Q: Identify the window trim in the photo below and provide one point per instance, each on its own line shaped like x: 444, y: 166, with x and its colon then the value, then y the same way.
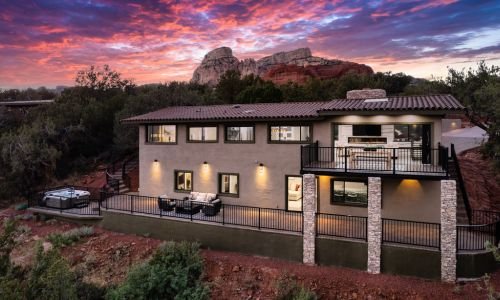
x: 347, y: 179
x: 408, y: 125
x: 160, y: 143
x: 270, y: 141
x: 239, y: 142
x: 219, y: 177
x: 175, y: 181
x: 202, y: 141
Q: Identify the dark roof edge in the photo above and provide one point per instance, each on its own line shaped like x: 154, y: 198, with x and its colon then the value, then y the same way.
x: 219, y: 120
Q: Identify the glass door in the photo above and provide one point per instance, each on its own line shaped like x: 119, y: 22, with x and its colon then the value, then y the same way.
x: 294, y: 193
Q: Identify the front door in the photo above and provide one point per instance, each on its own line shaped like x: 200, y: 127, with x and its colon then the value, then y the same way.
x: 294, y: 193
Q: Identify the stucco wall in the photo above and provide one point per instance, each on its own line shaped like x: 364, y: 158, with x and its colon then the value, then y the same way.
x: 408, y: 199
x: 268, y: 188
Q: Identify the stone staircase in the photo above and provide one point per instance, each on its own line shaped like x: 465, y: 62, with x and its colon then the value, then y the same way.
x: 461, y: 210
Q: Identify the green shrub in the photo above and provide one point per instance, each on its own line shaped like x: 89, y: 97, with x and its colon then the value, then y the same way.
x: 69, y: 237
x: 288, y: 289
x: 174, y: 272
x: 51, y: 277
x: 7, y: 243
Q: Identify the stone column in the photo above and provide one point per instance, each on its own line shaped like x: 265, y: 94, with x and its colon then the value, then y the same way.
x: 309, y: 210
x: 374, y: 224
x: 448, y: 230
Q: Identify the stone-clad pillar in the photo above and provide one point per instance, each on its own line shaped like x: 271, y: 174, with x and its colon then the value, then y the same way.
x: 374, y: 224
x: 309, y: 210
x: 448, y: 230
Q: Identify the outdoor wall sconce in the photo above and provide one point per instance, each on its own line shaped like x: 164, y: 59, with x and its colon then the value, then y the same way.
x: 155, y: 160
x: 205, y: 165
x: 261, y: 168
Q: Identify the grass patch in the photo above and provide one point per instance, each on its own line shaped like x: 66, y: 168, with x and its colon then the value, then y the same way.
x: 70, y: 237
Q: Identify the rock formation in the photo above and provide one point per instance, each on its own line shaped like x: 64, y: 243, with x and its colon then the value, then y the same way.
x: 297, y: 66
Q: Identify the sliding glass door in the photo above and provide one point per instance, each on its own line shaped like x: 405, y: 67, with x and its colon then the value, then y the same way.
x: 294, y: 193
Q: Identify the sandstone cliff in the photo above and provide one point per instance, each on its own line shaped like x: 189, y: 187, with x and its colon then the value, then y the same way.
x: 297, y: 66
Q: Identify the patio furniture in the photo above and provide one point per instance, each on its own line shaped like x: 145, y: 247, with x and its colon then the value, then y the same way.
x: 212, y: 208
x: 195, y: 202
x: 371, y: 155
x: 165, y: 203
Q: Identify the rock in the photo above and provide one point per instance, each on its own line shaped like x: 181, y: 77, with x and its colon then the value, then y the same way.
x: 297, y: 66
x: 236, y: 268
x: 47, y: 246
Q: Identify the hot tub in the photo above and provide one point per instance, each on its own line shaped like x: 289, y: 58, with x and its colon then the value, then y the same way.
x: 66, y: 198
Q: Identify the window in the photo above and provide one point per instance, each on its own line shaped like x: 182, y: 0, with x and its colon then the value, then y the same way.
x: 366, y: 130
x: 183, y: 181
x: 161, y: 134
x: 240, y: 134
x: 229, y: 184
x: 349, y: 192
x: 408, y: 132
x: 202, y: 134
x: 290, y: 134
x: 294, y: 193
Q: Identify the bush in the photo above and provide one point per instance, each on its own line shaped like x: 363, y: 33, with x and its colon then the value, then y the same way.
x: 174, y: 272
x: 69, y: 237
x: 288, y: 289
x: 51, y: 277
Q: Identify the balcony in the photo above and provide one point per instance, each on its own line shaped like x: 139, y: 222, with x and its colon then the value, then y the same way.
x: 398, y: 162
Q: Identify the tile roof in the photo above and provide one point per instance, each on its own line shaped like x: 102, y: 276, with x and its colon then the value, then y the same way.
x: 288, y: 110
x: 297, y: 110
x: 397, y: 103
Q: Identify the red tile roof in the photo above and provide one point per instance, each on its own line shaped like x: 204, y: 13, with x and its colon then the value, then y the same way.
x: 296, y: 110
x: 398, y: 103
x: 288, y: 110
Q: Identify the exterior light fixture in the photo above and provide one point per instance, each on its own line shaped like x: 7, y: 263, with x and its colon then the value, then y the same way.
x: 155, y: 160
x: 261, y: 168
x: 205, y: 165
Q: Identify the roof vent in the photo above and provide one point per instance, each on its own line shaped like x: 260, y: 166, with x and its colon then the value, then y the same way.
x: 249, y: 111
x: 236, y: 106
x: 198, y: 110
x: 366, y: 94
x: 376, y: 100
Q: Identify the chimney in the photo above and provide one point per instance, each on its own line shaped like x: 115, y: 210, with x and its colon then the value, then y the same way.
x: 366, y: 94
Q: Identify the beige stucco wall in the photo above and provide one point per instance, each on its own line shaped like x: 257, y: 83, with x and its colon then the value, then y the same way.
x: 406, y: 199
x: 267, y: 189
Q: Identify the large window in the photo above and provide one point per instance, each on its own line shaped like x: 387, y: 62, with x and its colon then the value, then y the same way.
x: 161, y: 134
x: 294, y: 193
x: 349, y: 192
x: 183, y: 181
x: 366, y: 130
x: 290, y: 134
x: 240, y: 134
x: 202, y: 134
x: 408, y: 132
x: 229, y: 184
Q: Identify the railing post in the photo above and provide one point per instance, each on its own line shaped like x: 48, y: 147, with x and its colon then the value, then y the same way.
x: 191, y: 210
x: 345, y: 159
x: 131, y: 204
x: 259, y: 218
x: 99, y: 202
x: 223, y: 210
x: 393, y: 160
x: 301, y: 157
x: 160, y: 205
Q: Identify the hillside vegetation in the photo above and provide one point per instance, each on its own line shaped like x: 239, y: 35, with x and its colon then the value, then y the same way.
x: 82, y: 127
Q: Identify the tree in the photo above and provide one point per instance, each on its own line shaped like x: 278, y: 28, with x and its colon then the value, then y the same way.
x: 102, y: 79
x: 229, y: 86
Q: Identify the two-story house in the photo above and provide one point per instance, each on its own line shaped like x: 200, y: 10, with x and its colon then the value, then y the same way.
x: 254, y: 154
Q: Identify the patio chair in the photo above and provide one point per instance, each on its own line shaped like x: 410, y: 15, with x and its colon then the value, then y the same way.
x: 212, y: 208
x: 166, y: 204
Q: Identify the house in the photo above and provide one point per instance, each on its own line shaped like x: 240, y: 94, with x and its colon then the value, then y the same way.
x: 255, y: 154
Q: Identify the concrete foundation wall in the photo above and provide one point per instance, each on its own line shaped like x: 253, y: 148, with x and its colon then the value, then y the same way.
x: 404, y: 260
x: 247, y: 241
x: 343, y: 253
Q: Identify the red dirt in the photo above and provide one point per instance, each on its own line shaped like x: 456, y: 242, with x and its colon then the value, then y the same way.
x: 106, y: 257
x: 482, y: 181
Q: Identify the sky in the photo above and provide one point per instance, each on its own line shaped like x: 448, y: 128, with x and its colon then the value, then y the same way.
x: 45, y: 43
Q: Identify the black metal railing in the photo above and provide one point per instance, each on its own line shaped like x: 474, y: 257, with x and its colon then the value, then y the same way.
x: 411, y: 233
x: 404, y: 160
x: 225, y: 214
x: 461, y: 184
x: 484, y: 227
x: 352, y: 227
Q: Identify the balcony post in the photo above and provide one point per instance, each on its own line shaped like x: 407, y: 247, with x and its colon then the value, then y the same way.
x: 345, y: 159
x: 393, y: 160
x: 448, y: 230
x: 309, y: 216
x: 374, y: 224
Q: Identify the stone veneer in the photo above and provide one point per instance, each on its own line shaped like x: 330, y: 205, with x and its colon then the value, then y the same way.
x: 366, y: 94
x: 448, y: 230
x: 309, y: 210
x: 374, y: 224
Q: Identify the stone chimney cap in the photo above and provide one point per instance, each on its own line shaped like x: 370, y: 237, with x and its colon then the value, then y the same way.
x: 366, y: 94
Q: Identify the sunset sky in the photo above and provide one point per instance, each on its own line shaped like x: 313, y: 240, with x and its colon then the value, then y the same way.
x: 44, y: 43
